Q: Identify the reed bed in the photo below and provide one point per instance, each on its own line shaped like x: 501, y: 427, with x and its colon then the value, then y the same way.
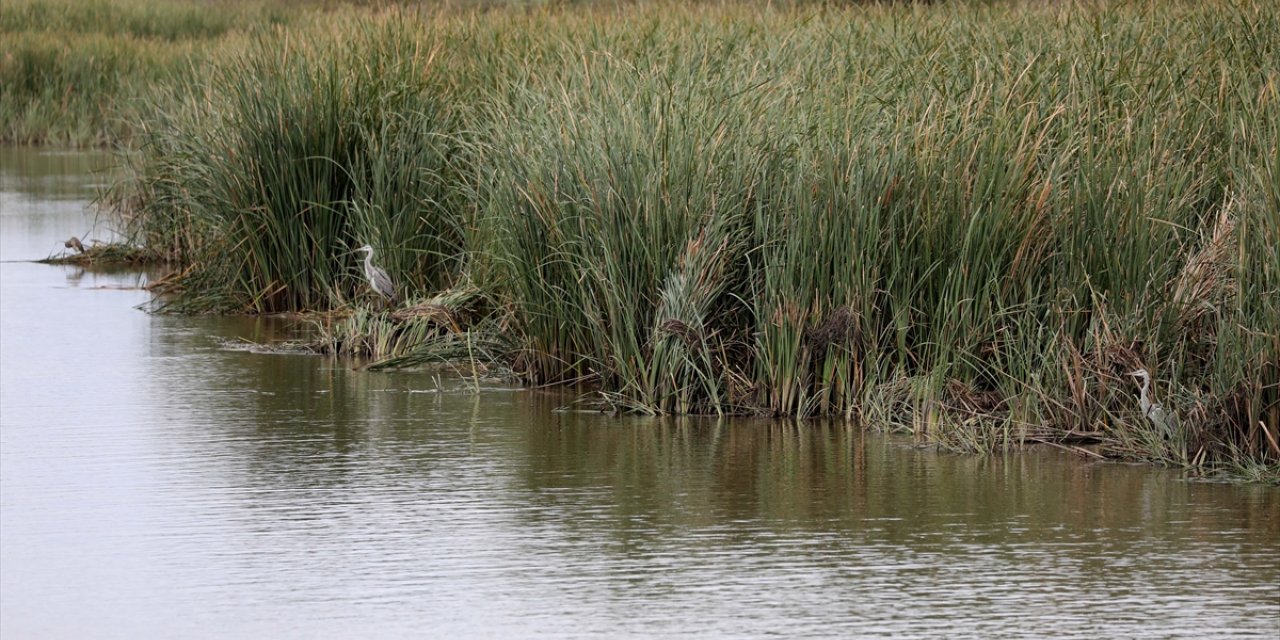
x: 969, y: 222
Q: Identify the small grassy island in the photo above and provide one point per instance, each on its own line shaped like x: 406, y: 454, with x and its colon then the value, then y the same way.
x: 971, y: 222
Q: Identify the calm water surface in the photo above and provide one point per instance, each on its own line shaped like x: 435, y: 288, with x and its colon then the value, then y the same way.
x: 156, y: 483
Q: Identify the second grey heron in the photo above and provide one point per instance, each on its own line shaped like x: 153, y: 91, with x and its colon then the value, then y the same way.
x: 378, y: 279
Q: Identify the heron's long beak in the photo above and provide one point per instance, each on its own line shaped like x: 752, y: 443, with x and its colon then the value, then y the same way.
x: 1136, y: 374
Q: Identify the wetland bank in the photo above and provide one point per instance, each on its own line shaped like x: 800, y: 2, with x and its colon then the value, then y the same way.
x: 963, y: 222
x: 159, y: 483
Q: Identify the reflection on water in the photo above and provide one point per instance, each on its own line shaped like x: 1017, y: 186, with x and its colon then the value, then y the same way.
x: 156, y: 483
x: 44, y: 197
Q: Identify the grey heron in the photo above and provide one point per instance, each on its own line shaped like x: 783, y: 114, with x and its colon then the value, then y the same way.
x: 1162, y: 419
x: 378, y: 279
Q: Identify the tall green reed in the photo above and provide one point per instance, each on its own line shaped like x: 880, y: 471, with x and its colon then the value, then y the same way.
x: 298, y: 152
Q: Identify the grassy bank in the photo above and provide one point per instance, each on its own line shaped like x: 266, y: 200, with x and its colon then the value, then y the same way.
x: 969, y: 222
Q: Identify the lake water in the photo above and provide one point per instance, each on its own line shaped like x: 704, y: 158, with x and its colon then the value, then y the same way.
x: 158, y: 483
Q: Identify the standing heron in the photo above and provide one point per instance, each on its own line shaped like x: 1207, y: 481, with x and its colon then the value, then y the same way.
x: 1163, y: 420
x: 378, y: 279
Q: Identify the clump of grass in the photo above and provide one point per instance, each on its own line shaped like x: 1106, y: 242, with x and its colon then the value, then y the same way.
x: 448, y: 327
x: 617, y: 233
x: 968, y: 222
x: 296, y: 154
x: 1250, y: 471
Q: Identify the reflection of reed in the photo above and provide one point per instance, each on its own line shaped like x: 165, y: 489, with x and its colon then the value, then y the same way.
x: 55, y: 175
x: 289, y: 420
x: 829, y: 475
x: 306, y: 422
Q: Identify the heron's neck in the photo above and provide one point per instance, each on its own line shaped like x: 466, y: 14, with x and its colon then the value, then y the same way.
x: 368, y: 259
x: 1146, y: 382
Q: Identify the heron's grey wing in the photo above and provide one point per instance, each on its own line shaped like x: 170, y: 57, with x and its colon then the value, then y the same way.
x: 382, y: 283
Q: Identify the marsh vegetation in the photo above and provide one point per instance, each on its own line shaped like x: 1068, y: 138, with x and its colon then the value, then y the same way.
x: 966, y: 222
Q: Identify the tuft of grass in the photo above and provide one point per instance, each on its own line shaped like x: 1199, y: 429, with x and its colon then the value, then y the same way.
x: 446, y: 328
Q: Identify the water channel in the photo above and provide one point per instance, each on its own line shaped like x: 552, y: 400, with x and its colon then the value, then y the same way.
x: 157, y: 481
